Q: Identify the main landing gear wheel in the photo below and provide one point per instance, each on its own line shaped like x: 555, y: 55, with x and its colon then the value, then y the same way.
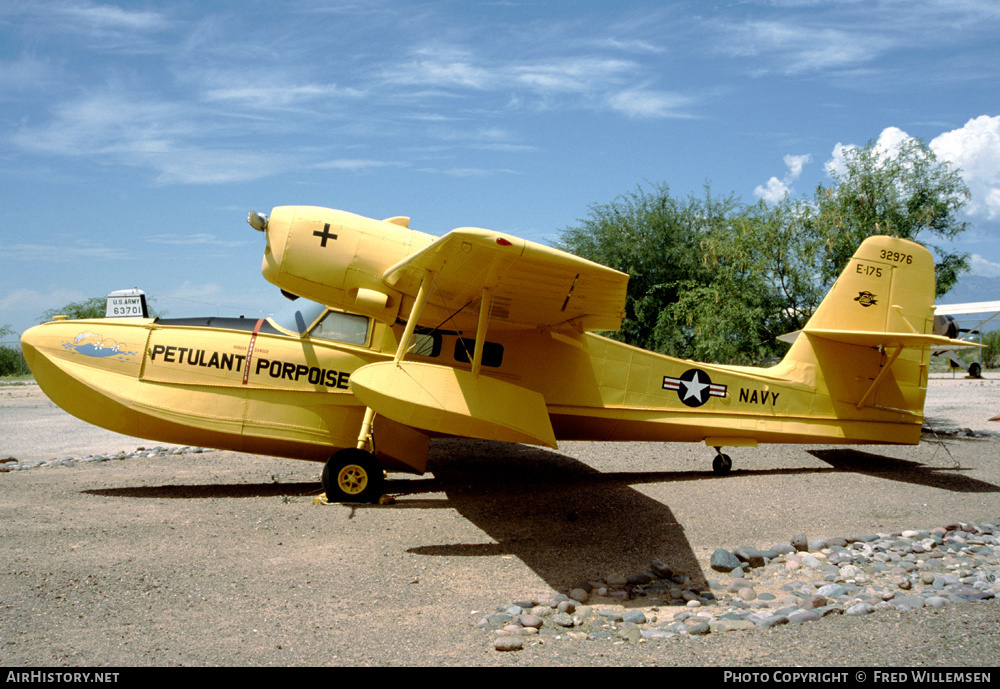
x: 975, y: 370
x: 352, y: 476
x: 722, y: 464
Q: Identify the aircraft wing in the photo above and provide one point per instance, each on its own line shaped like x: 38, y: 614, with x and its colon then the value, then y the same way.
x: 971, y: 307
x: 531, y: 285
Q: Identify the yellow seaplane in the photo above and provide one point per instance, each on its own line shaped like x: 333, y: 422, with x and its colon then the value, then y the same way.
x: 400, y: 337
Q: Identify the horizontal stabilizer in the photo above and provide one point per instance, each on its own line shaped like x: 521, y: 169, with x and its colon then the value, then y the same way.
x: 866, y: 338
x: 451, y: 401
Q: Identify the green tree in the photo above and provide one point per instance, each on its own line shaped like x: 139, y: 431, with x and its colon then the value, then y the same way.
x: 95, y: 307
x: 715, y: 279
x: 760, y: 266
x: 654, y: 238
x: 903, y: 192
x: 10, y: 357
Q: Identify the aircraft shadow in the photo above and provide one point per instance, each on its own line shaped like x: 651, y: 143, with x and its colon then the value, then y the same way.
x: 565, y: 520
x: 905, y: 470
x: 213, y: 490
x: 560, y: 517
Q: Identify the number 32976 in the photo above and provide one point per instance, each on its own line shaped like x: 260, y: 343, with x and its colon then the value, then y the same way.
x: 896, y: 256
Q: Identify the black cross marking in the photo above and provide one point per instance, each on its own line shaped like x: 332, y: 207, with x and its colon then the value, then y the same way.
x: 325, y: 234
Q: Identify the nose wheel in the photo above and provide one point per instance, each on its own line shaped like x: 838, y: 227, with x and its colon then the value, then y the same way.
x: 352, y: 475
x: 722, y: 464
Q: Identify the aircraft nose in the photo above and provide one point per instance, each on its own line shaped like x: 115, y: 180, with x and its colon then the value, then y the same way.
x: 29, y: 345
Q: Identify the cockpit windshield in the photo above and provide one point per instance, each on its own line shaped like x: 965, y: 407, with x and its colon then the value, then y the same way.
x: 301, y: 315
x: 298, y: 315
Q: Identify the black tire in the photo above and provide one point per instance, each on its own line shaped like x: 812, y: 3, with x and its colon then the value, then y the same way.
x: 975, y: 370
x: 352, y: 475
x: 722, y: 465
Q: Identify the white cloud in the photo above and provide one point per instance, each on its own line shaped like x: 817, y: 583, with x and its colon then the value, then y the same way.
x: 645, y: 103
x: 593, y: 81
x: 442, y: 67
x: 772, y: 192
x: 981, y: 266
x: 35, y: 302
x: 111, y: 18
x: 888, y: 143
x: 776, y: 189
x: 266, y: 95
x: 975, y: 149
x: 162, y: 135
x: 196, y: 239
x: 354, y: 164
x: 796, y: 163
x: 800, y: 48
x: 49, y: 253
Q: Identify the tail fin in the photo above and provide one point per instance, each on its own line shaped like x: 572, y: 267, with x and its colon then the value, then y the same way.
x: 887, y: 287
x: 868, y: 344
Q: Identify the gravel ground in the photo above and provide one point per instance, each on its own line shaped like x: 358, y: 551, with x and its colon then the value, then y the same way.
x: 223, y: 559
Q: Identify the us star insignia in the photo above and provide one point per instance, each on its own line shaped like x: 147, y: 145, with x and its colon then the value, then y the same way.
x: 694, y: 387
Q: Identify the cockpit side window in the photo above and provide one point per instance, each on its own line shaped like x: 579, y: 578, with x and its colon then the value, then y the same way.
x: 349, y: 328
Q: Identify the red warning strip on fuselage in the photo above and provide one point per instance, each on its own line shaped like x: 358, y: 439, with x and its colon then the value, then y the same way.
x: 253, y: 340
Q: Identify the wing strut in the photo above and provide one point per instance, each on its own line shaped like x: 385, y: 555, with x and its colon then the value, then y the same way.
x: 485, y: 307
x: 364, y: 438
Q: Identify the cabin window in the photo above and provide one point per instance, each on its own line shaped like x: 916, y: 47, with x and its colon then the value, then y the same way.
x: 349, y: 328
x: 425, y: 344
x: 492, y: 352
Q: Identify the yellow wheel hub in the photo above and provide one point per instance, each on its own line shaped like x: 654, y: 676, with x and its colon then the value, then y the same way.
x: 352, y: 479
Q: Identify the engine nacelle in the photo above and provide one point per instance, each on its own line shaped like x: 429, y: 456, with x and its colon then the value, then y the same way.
x: 947, y: 326
x: 337, y: 258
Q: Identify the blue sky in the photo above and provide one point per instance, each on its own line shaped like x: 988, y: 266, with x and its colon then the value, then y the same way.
x: 136, y: 136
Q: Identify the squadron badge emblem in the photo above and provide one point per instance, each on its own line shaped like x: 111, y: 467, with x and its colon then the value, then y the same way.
x: 866, y: 299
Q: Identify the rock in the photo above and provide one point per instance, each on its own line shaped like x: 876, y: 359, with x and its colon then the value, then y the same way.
x: 508, y: 643
x: 800, y: 542
x: 634, y: 616
x: 731, y: 626
x: 567, y: 606
x: 908, y: 602
x: 562, y: 619
x: 857, y: 576
x: 850, y: 571
x: 724, y: 561
x: 629, y: 632
x: 749, y: 555
x: 860, y: 609
x: 736, y: 584
x: 661, y: 569
x: 832, y: 591
x: 528, y: 620
x: 699, y: 629
x: 936, y: 602
x: 803, y: 616
x: 773, y: 621
x: 638, y: 579
x: 811, y: 561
